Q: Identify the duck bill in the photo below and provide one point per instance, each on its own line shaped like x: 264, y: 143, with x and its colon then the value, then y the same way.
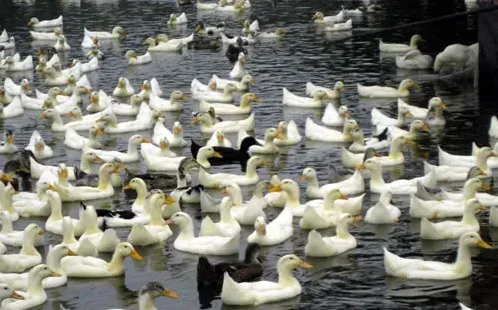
x: 275, y: 188
x: 344, y: 197
x: 5, y: 178
x: 482, y: 244
x: 41, y: 233
x: 305, y: 265
x: 408, y: 114
x: 52, y: 188
x: 343, y: 90
x: 71, y: 253
x: 257, y: 99
x: 27, y: 87
x: 64, y: 174
x: 357, y: 219
x: 127, y: 186
x: 361, y: 167
x: 221, y: 139
x: 443, y: 106
x: 93, y: 99
x: 98, y: 132
x: 11, y: 140
x: 16, y: 296
x: 224, y: 191
x: 280, y: 136
x: 217, y: 155
x: 177, y: 131
x: 486, y: 187
x: 134, y: 254
x: 425, y: 128
x: 195, y: 121
x: 169, y: 222
x: 145, y: 140
x: 262, y: 230
x: 99, y: 160
x: 184, y: 97
x: 70, y: 114
x: 252, y: 82
x: 243, y: 60
x: 347, y: 115
x: 302, y: 178
x: 43, y: 116
x: 169, y: 200
x: 171, y: 294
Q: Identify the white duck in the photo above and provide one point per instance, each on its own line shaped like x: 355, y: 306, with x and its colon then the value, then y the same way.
x: 134, y: 59
x: 414, y: 59
x: 410, y: 268
x: 209, y: 245
x: 268, y: 146
x: 383, y: 212
x: 61, y: 44
x: 117, y: 32
x: 123, y: 89
x: 173, y: 46
x: 239, y: 71
x: 416, y: 128
x: 421, y: 113
x: 18, y: 66
x: 146, y: 118
x: 242, y: 85
x: 214, y: 96
x: 38, y: 147
x: 131, y: 154
x: 207, y: 126
x: 397, y: 187
x: 7, y: 146
x: 15, y: 90
x: 327, y: 212
x: 173, y: 104
x: 379, y: 118
x: 316, y: 132
x: 250, y: 177
x: 75, y: 141
x: 292, y: 201
x: 177, y: 20
x: 27, y: 257
x: 320, y: 18
x: 453, y: 229
x: 11, y: 237
x: 35, y: 294
x: 223, y: 108
x: 343, y: 241
x: 103, y: 241
x: 218, y: 139
x: 276, y: 232
x: 247, y: 213
x: 257, y: 293
x: 91, y: 267
x: 335, y: 117
x: 461, y: 56
x: 346, y: 26
x: 276, y: 199
x: 175, y: 137
x: 292, y: 100
x: 127, y: 109
x: 90, y: 42
x: 385, y: 91
x: 14, y: 109
x: 6, y: 291
x: 99, y: 101
x: 35, y: 23
x: 19, y: 281
x: 400, y: 47
x: 350, y: 186
x: 335, y: 93
x: 351, y: 160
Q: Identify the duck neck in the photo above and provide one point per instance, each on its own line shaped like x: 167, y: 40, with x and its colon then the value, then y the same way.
x: 85, y: 165
x: 7, y: 204
x: 313, y: 182
x: 225, y: 215
x: 376, y: 178
x: 56, y: 212
x: 35, y: 285
x: 104, y: 177
x: 469, y: 217
x: 285, y: 276
x: 54, y: 262
x: 146, y: 302
x: 347, y: 134
x: 203, y: 160
x: 68, y: 235
x: 244, y: 102
x: 28, y: 245
x: 57, y: 120
x: 292, y: 198
x: 141, y: 195
x: 482, y: 162
x: 395, y: 151
x: 236, y: 196
x: 463, y: 263
x: 156, y: 213
x: 187, y: 231
x: 7, y: 226
x: 251, y: 169
x: 329, y: 204
x: 116, y: 263
x: 132, y: 149
x: 469, y: 193
x: 342, y: 230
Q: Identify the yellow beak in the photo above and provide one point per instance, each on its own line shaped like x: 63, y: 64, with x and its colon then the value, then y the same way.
x: 305, y: 265
x: 195, y: 121
x: 279, y: 136
x: 71, y: 253
x: 217, y: 155
x: 98, y: 132
x: 275, y: 188
x: 127, y: 186
x: 184, y: 97
x: 171, y: 294
x: 177, y: 131
x: 16, y: 296
x: 343, y: 197
x: 145, y: 140
x: 6, y: 178
x: 262, y: 230
x: 134, y: 254
x: 169, y: 200
x: 43, y: 116
x: 425, y: 128
x: 356, y: 219
x: 483, y: 244
x: 302, y: 178
x: 361, y: 167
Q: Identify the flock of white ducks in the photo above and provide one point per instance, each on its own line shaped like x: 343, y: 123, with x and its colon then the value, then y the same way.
x: 24, y: 278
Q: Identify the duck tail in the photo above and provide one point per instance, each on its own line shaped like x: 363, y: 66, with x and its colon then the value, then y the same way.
x: 206, y: 272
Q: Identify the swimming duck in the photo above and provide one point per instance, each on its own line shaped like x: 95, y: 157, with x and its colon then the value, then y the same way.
x: 15, y: 90
x: 95, y: 52
x: 140, y: 187
x: 461, y: 56
x: 453, y: 229
x: 134, y: 59
x: 75, y: 141
x: 90, y: 42
x: 454, y: 169
x: 320, y: 18
x: 246, y: 213
x: 54, y: 221
x: 5, y: 98
x: 11, y: 237
x: 207, y: 126
x: 218, y: 139
x: 146, y: 118
x: 397, y: 187
x: 346, y: 26
x: 173, y: 104
x: 61, y: 44
x: 160, y: 158
x: 292, y: 202
x: 421, y: 113
x: 127, y: 109
x: 7, y: 146
x: 242, y: 85
x: 11, y: 44
x: 430, y: 270
x: 316, y: 132
x: 343, y: 241
x: 35, y: 23
x: 18, y: 66
x: 103, y: 241
x: 7, y: 205
x: 268, y: 146
x: 90, y: 267
x: 35, y: 294
x: 415, y: 133
x: 104, y: 189
x: 383, y: 212
x: 162, y: 38
x: 19, y: 281
x: 250, y: 177
x: 414, y: 59
x: 163, y: 46
x: 275, y: 232
x: 320, y: 214
x: 14, y: 109
x: 479, y: 160
x: 117, y: 32
x: 27, y: 257
x: 231, y: 39
x: 99, y: 101
x: 256, y: 293
x: 278, y: 34
x: 385, y: 91
x: 177, y: 20
x: 123, y: 89
x: 350, y: 186
x: 335, y: 117
x: 6, y: 291
x: 223, y: 108
x: 379, y: 118
x: 131, y: 154
x: 276, y: 199
x: 210, y: 276
x: 400, y: 47
x: 209, y: 245
x: 38, y: 147
x: 175, y: 137
x: 151, y: 291
x: 214, y: 96
x: 395, y: 156
x: 226, y: 227
x: 292, y: 100
x: 239, y: 71
x: 87, y: 158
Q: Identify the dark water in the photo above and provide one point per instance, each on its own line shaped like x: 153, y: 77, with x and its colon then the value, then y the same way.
x: 355, y: 280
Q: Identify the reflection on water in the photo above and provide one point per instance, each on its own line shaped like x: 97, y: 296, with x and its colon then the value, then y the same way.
x: 354, y: 280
